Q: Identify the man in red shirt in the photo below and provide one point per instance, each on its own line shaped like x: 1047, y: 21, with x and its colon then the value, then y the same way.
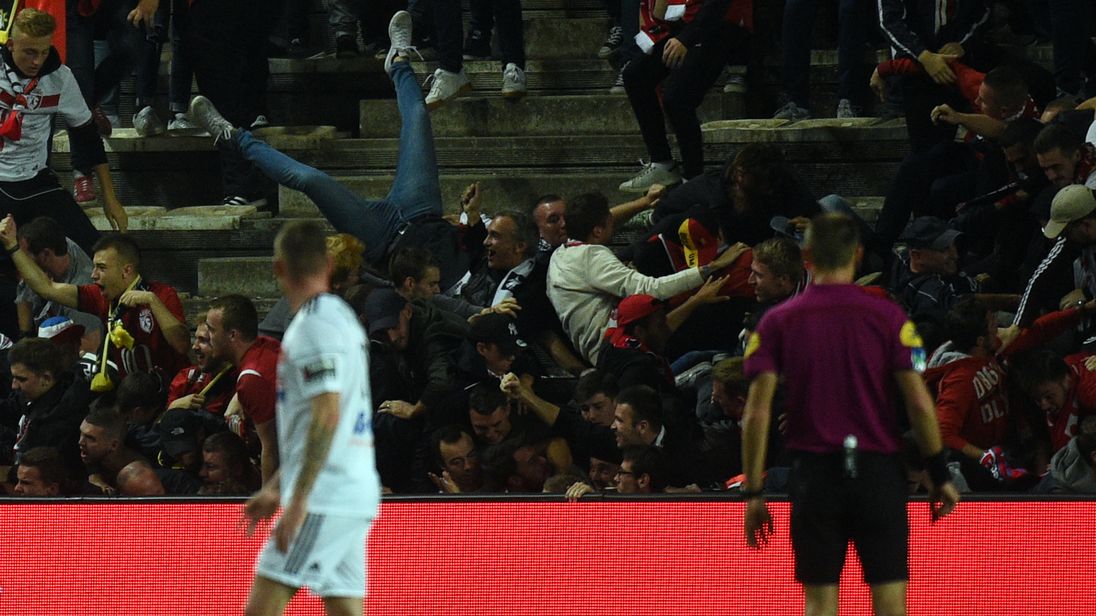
x: 209, y: 384
x: 968, y: 374
x: 144, y: 323
x: 1064, y: 389
x: 234, y: 336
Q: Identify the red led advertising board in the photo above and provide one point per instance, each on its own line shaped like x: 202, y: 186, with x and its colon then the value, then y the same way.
x: 539, y: 557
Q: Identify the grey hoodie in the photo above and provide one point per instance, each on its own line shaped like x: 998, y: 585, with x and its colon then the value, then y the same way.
x: 1071, y: 471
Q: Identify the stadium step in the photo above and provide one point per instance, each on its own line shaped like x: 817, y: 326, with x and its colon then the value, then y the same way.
x: 195, y: 305
x: 181, y: 168
x: 172, y: 255
x: 251, y: 276
x: 193, y: 218
x: 844, y: 156
x: 848, y: 157
x: 481, y: 116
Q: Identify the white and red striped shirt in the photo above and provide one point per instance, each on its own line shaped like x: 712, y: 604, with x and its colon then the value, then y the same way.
x: 55, y: 92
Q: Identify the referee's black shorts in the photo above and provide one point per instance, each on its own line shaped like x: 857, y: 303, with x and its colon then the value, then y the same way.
x: 829, y: 510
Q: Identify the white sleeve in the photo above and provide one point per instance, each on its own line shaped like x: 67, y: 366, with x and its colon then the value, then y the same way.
x: 609, y: 275
x: 321, y: 357
x: 72, y: 106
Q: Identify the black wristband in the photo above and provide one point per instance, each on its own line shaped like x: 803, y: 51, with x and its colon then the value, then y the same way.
x: 937, y: 467
x: 14, y: 249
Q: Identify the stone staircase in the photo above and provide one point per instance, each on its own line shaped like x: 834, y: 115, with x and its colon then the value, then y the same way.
x: 569, y: 135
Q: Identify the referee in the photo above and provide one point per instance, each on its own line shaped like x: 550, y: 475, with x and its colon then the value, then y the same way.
x: 842, y: 353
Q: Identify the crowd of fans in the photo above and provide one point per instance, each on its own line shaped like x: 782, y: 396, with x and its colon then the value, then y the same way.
x: 530, y: 349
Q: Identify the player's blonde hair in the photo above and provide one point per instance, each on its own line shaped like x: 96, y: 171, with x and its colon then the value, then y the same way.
x: 346, y: 255
x: 33, y: 23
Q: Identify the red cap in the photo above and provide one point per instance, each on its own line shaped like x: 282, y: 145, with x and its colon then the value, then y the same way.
x: 636, y: 307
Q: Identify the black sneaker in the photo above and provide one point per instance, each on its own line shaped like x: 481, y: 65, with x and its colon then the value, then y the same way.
x: 612, y: 43
x: 258, y: 201
x: 296, y: 49
x: 346, y: 46
x: 477, y: 45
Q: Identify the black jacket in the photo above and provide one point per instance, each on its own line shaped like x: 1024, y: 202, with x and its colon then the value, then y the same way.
x: 913, y: 26
x: 53, y: 420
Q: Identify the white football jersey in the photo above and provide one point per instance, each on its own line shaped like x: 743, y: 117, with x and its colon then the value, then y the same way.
x: 325, y: 350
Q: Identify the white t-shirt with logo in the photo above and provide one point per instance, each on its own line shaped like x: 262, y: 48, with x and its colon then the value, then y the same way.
x: 55, y: 93
x: 325, y: 350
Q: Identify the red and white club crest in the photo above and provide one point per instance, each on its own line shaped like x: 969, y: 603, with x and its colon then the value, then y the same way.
x: 146, y: 321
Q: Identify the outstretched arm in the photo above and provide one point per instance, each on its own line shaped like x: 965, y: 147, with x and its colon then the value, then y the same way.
x: 36, y: 279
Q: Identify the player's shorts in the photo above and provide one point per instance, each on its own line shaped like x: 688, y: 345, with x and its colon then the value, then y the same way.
x: 829, y: 510
x: 327, y: 556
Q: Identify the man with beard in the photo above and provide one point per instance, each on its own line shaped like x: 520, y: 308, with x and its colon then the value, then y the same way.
x: 108, y: 460
x: 205, y: 385
x: 233, y: 327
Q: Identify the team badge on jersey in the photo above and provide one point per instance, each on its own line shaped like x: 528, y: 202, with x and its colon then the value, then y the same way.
x: 752, y: 345
x: 909, y: 338
x: 319, y: 370
x: 146, y: 321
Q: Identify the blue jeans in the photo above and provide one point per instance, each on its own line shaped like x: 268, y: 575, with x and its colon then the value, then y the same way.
x: 415, y: 191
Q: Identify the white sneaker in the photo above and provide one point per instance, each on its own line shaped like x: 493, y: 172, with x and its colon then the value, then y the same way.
x: 845, y: 110
x: 181, y: 122
x: 399, y: 33
x: 652, y: 173
x: 513, y: 81
x: 147, y: 123
x: 446, y: 85
x: 206, y: 115
x: 261, y: 121
x: 792, y: 111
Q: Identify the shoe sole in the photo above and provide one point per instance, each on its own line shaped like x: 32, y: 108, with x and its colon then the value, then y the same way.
x: 514, y: 94
x: 640, y: 191
x: 438, y: 103
x: 391, y: 23
x: 156, y: 130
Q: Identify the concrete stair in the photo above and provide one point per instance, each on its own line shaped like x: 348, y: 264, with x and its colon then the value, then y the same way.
x: 549, y: 115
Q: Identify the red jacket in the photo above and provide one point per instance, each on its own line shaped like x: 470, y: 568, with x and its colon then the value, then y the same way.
x: 972, y: 402
x: 690, y: 21
x: 1064, y: 424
